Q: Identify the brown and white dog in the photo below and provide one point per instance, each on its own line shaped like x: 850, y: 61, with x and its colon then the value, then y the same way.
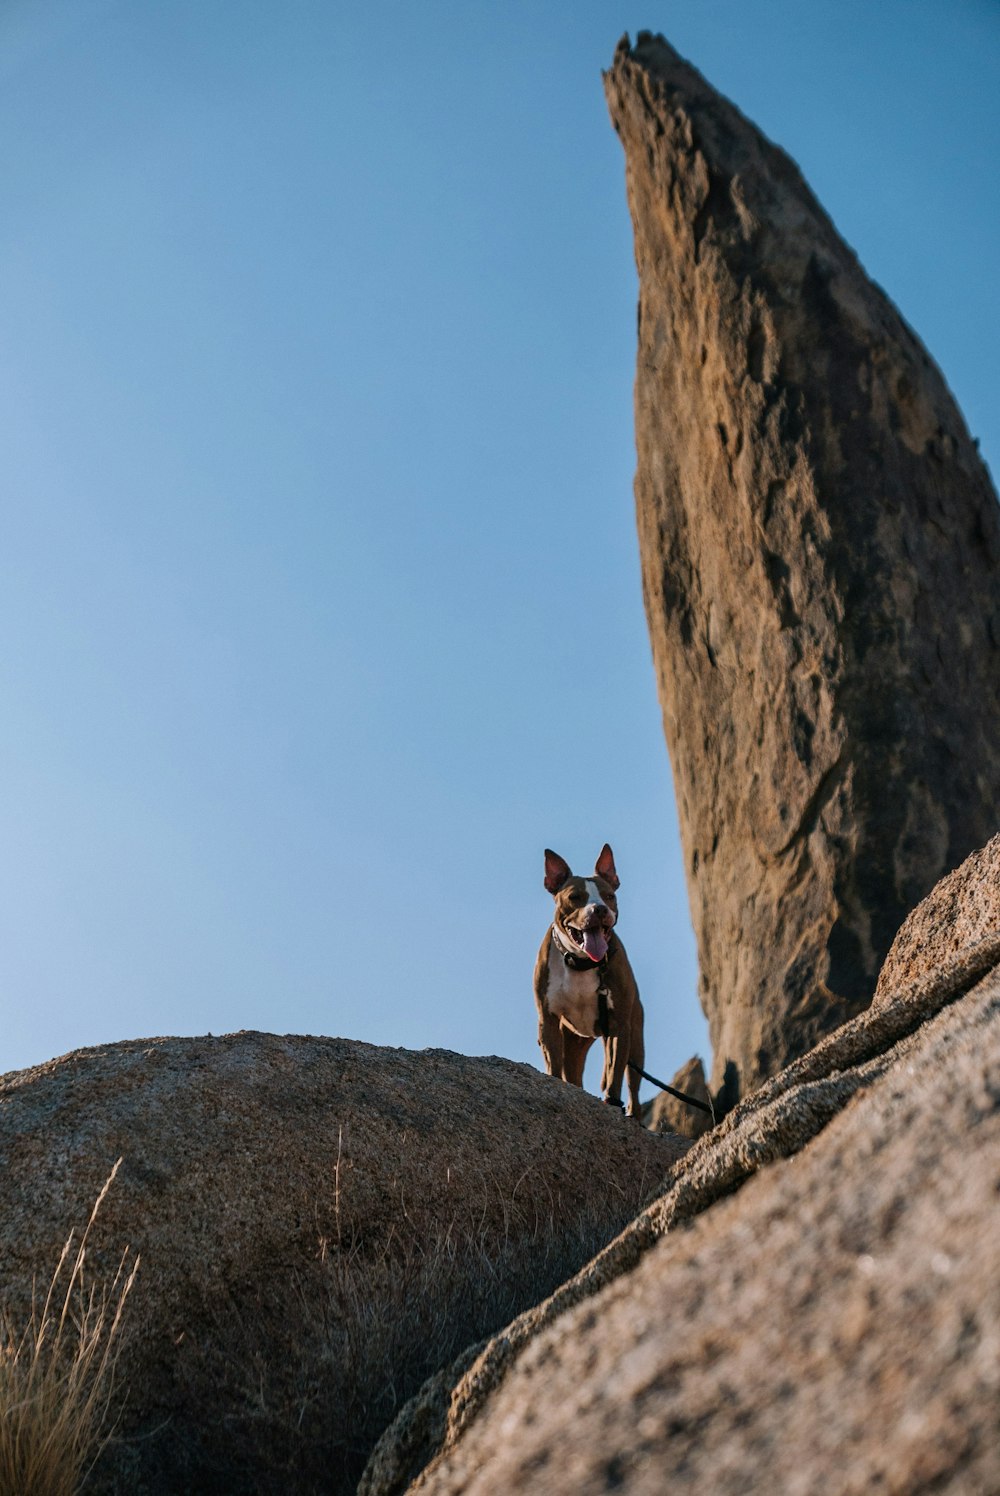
x: 584, y: 986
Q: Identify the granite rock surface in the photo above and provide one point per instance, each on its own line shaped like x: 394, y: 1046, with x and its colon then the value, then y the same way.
x: 961, y: 915
x: 820, y: 546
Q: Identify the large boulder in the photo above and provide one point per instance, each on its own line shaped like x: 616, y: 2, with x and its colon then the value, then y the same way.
x: 820, y: 548
x: 321, y: 1223
x: 829, y: 1318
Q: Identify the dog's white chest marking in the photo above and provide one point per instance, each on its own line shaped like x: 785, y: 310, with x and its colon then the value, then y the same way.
x: 572, y: 995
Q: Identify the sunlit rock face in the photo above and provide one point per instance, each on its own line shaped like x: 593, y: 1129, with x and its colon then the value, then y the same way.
x: 821, y: 564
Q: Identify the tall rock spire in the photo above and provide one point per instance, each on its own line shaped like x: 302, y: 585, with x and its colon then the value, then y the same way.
x: 820, y: 549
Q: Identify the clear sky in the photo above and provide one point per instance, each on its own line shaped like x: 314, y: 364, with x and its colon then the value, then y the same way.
x: 319, y: 594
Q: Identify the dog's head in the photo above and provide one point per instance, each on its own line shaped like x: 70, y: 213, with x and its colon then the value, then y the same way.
x: 586, y: 908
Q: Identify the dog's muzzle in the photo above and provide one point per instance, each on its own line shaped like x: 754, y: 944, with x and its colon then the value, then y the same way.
x: 592, y: 936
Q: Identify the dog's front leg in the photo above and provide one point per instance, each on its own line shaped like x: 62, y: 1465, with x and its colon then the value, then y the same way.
x: 550, y: 1037
x: 636, y: 1057
x: 575, y: 1049
x: 616, y: 1048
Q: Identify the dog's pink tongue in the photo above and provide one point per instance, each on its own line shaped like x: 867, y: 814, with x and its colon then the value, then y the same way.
x: 595, y: 944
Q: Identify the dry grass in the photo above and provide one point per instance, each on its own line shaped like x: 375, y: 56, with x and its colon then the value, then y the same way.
x: 405, y: 1315
x: 403, y: 1309
x: 285, y: 1381
x: 57, y: 1374
x: 303, y: 1387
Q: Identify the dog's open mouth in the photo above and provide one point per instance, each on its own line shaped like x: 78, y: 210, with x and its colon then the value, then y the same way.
x: 593, y: 941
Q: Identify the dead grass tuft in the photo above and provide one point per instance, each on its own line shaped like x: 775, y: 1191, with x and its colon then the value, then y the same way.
x: 57, y: 1374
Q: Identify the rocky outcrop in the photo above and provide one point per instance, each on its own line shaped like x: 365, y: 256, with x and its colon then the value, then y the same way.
x: 820, y: 551
x: 321, y: 1225
x: 830, y: 1324
x: 666, y: 1113
x: 960, y: 917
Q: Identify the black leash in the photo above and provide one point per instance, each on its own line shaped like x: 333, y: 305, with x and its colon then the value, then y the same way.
x: 703, y: 1106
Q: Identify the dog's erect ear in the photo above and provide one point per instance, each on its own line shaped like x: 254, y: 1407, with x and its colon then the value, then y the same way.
x: 556, y: 871
x: 605, y: 866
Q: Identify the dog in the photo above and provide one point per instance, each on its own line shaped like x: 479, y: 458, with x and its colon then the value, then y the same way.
x: 584, y: 985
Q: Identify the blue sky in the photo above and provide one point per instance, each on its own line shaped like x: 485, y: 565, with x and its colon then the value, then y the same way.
x: 318, y: 579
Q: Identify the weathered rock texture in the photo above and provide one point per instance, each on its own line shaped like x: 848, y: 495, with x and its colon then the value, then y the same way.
x: 321, y: 1225
x: 961, y: 915
x: 828, y: 1321
x: 821, y: 565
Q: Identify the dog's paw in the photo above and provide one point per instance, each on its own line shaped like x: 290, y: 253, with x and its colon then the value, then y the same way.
x: 610, y: 1101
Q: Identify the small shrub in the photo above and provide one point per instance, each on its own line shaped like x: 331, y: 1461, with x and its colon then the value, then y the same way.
x: 57, y: 1373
